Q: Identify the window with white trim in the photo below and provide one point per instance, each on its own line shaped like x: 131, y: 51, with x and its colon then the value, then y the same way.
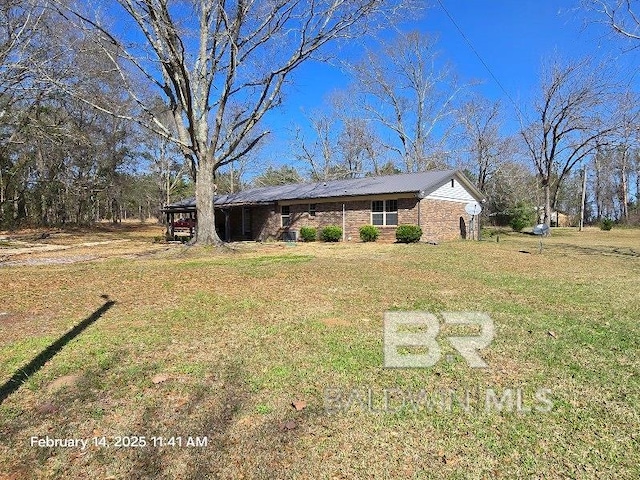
x: 384, y: 212
x: 285, y: 215
x: 312, y: 209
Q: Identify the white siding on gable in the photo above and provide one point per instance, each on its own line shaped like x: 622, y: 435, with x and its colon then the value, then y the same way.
x: 457, y: 193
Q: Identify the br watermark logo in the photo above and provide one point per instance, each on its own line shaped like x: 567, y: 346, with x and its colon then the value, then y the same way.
x: 416, y: 340
x: 410, y: 338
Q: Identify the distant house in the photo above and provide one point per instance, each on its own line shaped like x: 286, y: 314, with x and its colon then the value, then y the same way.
x: 557, y: 218
x: 435, y: 200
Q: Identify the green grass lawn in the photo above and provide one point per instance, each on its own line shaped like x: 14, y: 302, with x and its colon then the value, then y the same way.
x: 221, y: 343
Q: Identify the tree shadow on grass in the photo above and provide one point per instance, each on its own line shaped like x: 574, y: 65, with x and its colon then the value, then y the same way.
x: 598, y: 250
x: 214, y: 411
x: 24, y: 373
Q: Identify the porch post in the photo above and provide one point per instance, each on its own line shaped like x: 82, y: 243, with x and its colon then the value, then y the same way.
x: 227, y: 225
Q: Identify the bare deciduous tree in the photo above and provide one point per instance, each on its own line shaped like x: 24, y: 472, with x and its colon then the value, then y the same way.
x: 319, y: 153
x: 340, y: 144
x: 412, y: 97
x: 283, y: 175
x: 487, y: 149
x: 20, y: 47
x: 55, y: 152
x: 627, y: 145
x: 623, y: 19
x: 220, y: 66
x: 621, y: 15
x: 358, y: 146
x: 571, y: 122
x: 513, y: 183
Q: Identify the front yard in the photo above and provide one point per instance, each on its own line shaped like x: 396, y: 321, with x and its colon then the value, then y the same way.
x: 221, y: 344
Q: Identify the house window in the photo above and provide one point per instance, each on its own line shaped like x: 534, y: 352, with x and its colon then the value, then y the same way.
x: 391, y: 212
x: 312, y: 209
x: 285, y: 214
x: 384, y: 212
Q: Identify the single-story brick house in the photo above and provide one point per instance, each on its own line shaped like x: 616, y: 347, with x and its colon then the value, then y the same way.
x: 435, y: 200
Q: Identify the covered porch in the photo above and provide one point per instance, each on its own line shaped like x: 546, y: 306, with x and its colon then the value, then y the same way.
x: 232, y: 222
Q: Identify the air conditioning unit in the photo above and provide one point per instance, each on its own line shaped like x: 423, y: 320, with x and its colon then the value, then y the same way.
x: 290, y: 236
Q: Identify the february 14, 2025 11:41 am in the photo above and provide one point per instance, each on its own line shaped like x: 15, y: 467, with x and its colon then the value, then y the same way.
x: 130, y: 441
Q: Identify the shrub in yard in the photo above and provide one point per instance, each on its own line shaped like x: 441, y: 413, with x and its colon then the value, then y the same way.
x: 408, y: 233
x: 518, y: 223
x: 521, y: 216
x: 331, y: 233
x: 369, y: 233
x: 308, y: 234
x: 606, y: 224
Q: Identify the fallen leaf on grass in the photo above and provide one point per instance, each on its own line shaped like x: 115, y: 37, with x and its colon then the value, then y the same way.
x: 46, y: 408
x: 62, y: 382
x: 290, y: 425
x: 553, y: 334
x: 159, y: 378
x: 299, y: 405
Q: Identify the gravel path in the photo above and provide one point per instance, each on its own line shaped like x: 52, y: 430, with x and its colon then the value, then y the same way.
x: 47, y: 261
x: 52, y: 247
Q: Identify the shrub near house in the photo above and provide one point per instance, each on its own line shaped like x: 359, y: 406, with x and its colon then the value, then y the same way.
x: 521, y: 216
x: 308, y: 234
x: 408, y: 233
x: 331, y: 233
x: 369, y: 233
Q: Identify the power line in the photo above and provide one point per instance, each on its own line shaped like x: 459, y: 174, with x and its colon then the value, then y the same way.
x: 466, y: 39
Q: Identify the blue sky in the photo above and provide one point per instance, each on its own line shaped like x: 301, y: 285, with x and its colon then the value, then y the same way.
x: 513, y: 38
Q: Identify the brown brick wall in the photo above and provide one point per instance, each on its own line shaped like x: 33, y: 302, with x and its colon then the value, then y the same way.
x: 265, y: 222
x: 357, y: 214
x: 440, y: 220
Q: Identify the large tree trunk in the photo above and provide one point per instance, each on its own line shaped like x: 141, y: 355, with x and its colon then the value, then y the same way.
x: 44, y: 217
x: 2, y: 196
x: 205, y: 190
x: 638, y: 186
x: 624, y: 196
x: 547, y: 202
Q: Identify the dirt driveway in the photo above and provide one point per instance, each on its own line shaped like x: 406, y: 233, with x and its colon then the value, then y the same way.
x: 63, y: 246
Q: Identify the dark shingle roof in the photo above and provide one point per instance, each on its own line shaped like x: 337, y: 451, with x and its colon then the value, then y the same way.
x: 421, y: 184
